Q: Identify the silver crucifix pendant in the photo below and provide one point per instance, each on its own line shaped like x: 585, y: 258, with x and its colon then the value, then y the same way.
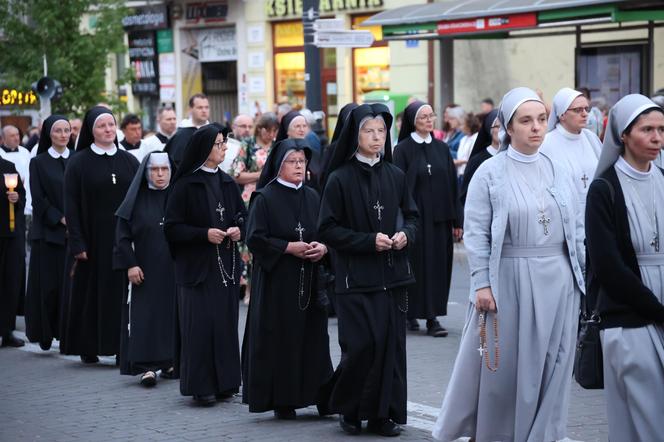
x: 544, y: 221
x: 221, y: 210
x: 299, y: 229
x: 655, y: 242
x: 113, y: 178
x: 379, y: 209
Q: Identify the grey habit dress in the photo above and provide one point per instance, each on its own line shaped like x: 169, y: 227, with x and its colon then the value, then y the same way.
x: 518, y: 256
x: 634, y: 357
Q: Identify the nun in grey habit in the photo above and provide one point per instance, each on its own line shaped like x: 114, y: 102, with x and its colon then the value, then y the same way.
x: 625, y: 219
x: 522, y: 233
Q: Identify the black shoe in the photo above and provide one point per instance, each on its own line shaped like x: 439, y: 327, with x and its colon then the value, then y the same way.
x: 435, y: 329
x: 167, y: 373
x: 225, y: 395
x: 350, y: 425
x: 149, y: 379
x: 323, y: 410
x: 384, y: 427
x: 12, y: 341
x: 87, y: 359
x: 285, y: 413
x: 205, y: 401
x: 412, y: 325
x: 45, y: 345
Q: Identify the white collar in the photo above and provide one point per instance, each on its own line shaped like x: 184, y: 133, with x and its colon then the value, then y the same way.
x: 55, y: 154
x: 366, y: 160
x: 631, y: 172
x: 288, y: 184
x: 419, y: 140
x: 492, y: 150
x: 100, y: 151
x: 567, y: 134
x: 521, y: 157
x: 204, y: 168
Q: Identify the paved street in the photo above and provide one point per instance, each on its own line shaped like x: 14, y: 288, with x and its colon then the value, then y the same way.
x: 46, y: 396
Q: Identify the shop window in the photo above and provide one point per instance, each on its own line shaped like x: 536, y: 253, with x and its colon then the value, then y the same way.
x: 371, y: 66
x: 289, y: 77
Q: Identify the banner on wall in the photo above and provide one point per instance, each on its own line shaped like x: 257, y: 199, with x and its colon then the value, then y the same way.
x: 217, y: 44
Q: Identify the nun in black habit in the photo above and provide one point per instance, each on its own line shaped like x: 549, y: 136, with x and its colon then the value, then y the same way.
x: 486, y: 146
x: 205, y: 218
x: 96, y: 181
x: 48, y: 232
x: 141, y: 251
x: 294, y: 126
x: 12, y: 254
x: 369, y: 217
x: 286, y: 351
x: 432, y: 181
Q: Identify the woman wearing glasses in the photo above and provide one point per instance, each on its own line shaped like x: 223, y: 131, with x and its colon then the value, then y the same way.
x: 570, y: 143
x: 432, y: 181
x: 286, y: 352
x: 204, y: 220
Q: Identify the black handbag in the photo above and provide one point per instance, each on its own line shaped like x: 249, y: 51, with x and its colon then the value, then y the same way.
x: 588, y: 364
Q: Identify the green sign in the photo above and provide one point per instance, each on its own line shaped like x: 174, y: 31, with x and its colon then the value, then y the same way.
x: 164, y: 41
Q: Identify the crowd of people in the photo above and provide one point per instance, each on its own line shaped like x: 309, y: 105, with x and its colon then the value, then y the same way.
x: 142, y: 249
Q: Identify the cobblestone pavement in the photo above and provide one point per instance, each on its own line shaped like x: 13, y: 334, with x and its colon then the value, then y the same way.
x: 45, y: 396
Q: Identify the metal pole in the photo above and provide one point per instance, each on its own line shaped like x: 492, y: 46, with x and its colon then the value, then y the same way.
x: 312, y: 77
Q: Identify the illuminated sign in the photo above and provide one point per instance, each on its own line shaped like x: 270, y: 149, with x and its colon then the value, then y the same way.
x: 13, y: 97
x: 487, y: 24
x: 293, y: 8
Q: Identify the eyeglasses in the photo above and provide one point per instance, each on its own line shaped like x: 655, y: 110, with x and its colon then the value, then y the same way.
x: 296, y: 162
x: 220, y: 144
x: 428, y: 117
x: 579, y: 110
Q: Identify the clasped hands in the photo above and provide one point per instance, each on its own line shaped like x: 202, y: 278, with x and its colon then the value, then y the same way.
x: 216, y: 236
x: 313, y: 251
x: 398, y: 241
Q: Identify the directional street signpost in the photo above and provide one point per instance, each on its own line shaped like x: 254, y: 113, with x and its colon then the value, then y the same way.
x: 330, y: 33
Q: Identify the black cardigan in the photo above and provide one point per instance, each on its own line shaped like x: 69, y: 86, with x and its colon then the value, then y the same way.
x: 612, y: 266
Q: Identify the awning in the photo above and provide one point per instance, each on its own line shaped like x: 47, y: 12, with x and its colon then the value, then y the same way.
x: 460, y: 9
x: 498, y: 18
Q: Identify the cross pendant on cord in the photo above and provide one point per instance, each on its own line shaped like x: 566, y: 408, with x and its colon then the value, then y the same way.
x: 379, y: 209
x: 299, y: 229
x: 544, y: 221
x: 113, y: 178
x: 221, y: 210
x: 585, y: 178
x: 655, y: 242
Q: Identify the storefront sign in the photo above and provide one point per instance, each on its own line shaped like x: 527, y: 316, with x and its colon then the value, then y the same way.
x: 207, y: 11
x: 165, y: 41
x: 217, y: 44
x: 146, y: 18
x: 13, y: 97
x: 143, y: 59
x: 487, y: 24
x: 293, y: 8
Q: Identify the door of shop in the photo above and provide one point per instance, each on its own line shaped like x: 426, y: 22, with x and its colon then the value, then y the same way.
x: 612, y: 70
x: 220, y: 85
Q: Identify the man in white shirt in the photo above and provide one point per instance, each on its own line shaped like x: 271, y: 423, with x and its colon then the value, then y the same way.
x: 166, y: 126
x: 11, y: 150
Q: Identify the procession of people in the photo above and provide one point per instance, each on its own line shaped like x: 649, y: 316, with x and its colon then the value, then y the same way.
x: 148, y: 262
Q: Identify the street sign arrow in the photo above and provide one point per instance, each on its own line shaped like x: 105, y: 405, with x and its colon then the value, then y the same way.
x: 349, y: 39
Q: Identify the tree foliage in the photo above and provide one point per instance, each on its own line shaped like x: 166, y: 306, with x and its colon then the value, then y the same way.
x: 76, y: 35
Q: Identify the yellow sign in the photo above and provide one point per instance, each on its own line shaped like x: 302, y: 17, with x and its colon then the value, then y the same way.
x: 293, y: 8
x: 12, y: 97
x: 288, y: 34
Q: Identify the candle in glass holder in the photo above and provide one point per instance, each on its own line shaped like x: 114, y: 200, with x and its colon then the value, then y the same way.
x: 11, y: 182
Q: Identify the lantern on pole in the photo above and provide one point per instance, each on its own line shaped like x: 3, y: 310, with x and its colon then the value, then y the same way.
x: 11, y: 182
